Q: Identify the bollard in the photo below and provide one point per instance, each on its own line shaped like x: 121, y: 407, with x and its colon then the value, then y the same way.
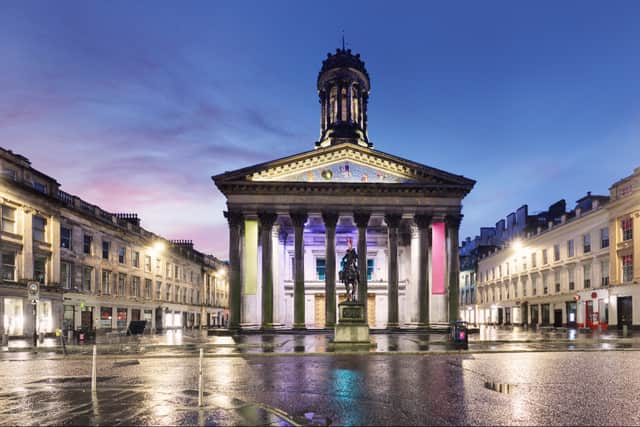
x: 200, y: 380
x: 625, y: 330
x: 41, y: 337
x: 5, y: 340
x: 93, y: 371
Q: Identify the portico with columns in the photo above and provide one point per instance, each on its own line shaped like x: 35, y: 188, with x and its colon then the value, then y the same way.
x: 290, y: 220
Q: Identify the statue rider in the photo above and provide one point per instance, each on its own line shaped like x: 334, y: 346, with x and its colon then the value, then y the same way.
x: 349, y: 273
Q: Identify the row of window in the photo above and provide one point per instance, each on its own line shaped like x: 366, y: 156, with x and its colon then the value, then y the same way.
x: 586, y: 249
x: 497, y: 294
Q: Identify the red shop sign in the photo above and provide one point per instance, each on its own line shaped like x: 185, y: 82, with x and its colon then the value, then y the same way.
x: 594, y: 295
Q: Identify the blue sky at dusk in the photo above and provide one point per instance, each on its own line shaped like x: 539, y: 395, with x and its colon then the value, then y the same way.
x: 134, y: 105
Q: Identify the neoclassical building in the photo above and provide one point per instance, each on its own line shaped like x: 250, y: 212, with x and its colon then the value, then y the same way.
x: 290, y: 220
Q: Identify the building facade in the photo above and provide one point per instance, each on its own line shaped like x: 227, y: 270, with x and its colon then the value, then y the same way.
x: 580, y: 270
x: 290, y: 221
x: 96, y: 270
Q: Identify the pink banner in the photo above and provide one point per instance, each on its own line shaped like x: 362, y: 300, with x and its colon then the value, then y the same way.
x: 438, y: 258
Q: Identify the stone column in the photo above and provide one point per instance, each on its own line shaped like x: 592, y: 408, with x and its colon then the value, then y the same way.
x: 365, y: 119
x: 339, y: 98
x: 298, y: 219
x: 393, y: 222
x: 323, y: 113
x: 362, y: 220
x: 349, y: 105
x: 266, y: 224
x: 453, y: 226
x: 423, y: 221
x: 330, y: 220
x: 235, y: 220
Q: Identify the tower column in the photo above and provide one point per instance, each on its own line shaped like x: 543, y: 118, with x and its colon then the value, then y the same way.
x: 330, y: 220
x: 349, y: 104
x: 298, y: 219
x: 267, y: 219
x: 365, y: 124
x: 393, y: 222
x: 423, y: 221
x: 339, y: 98
x: 235, y: 220
x: 453, y: 226
x: 362, y: 220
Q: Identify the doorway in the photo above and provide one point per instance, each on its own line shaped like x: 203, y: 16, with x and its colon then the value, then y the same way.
x: 545, y: 314
x: 535, y: 320
x: 499, y: 316
x: 625, y: 312
x: 572, y: 314
x: 319, y: 309
x: 588, y: 319
x: 557, y: 317
x: 86, y: 319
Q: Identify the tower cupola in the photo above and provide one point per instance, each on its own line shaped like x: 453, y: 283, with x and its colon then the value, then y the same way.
x: 343, y: 88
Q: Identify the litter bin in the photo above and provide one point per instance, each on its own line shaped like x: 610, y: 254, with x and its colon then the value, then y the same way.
x: 459, y: 334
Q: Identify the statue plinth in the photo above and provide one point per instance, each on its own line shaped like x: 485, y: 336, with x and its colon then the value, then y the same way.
x: 352, y: 330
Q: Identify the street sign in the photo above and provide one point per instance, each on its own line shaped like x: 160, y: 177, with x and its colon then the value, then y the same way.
x: 33, y: 292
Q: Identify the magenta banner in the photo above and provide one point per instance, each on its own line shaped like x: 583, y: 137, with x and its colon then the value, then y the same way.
x: 438, y: 258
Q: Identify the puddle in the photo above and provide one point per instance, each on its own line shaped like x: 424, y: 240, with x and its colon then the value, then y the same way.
x: 317, y: 419
x: 501, y: 388
x: 125, y: 363
x: 72, y: 380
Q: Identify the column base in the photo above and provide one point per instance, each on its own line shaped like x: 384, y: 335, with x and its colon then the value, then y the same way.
x: 299, y: 327
x: 328, y: 325
x: 267, y: 327
x: 393, y: 326
x: 421, y: 325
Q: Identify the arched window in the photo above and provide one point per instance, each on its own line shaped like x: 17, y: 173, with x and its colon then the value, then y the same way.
x: 333, y: 104
x: 355, y: 106
x: 343, y: 98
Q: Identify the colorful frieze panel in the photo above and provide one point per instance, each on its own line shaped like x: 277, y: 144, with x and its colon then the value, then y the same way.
x: 347, y: 172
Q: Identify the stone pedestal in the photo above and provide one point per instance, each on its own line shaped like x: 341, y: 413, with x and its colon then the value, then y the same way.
x: 352, y: 330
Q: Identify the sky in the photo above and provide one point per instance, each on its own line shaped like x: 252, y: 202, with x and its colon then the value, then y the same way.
x: 133, y: 106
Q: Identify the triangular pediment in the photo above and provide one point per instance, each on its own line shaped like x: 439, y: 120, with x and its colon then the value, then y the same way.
x: 345, y: 163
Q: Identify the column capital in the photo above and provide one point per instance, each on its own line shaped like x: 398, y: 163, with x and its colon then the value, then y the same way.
x: 422, y: 220
x: 361, y: 218
x: 393, y: 220
x: 298, y: 218
x: 330, y: 218
x: 234, y: 218
x: 267, y: 219
x: 454, y: 220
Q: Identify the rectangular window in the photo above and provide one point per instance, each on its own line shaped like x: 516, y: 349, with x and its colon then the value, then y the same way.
x: 158, y: 291
x: 570, y: 251
x: 40, y: 187
x: 168, y: 298
x: 524, y: 286
x: 168, y: 271
x: 147, y: 263
x: 545, y: 284
x: 176, y: 272
x: 177, y: 295
x: 65, y: 275
x: 534, y: 261
x: 136, y: 259
x: 158, y: 266
x: 320, y: 268
x: 627, y: 268
x: 604, y: 273
x: 121, y: 320
x: 586, y: 243
x: 524, y: 263
x: 8, y: 266
x: 604, y: 238
x: 545, y: 258
x: 105, y: 249
x: 120, y: 290
x: 627, y: 228
x: 8, y: 219
x: 105, y: 317
x: 586, y: 270
x: 534, y: 285
x: 147, y: 288
x: 105, y: 284
x: 572, y: 279
x: 369, y: 269
x: 556, y: 277
x: 556, y: 252
x: 39, y: 269
x: 86, y: 245
x: 135, y: 287
x: 122, y: 253
x: 39, y: 228
x: 87, y: 274
x: 65, y: 237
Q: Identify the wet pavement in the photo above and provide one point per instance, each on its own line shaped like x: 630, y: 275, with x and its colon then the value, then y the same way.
x: 486, y: 339
x: 547, y: 388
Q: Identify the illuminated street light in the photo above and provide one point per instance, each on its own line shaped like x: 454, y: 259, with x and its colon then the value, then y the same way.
x: 157, y: 248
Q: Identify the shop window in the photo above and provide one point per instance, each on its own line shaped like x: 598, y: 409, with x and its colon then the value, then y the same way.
x: 68, y: 318
x: 370, y: 265
x: 121, y: 319
x: 8, y: 219
x: 106, y: 314
x: 45, y: 317
x: 13, y: 316
x: 8, y: 271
